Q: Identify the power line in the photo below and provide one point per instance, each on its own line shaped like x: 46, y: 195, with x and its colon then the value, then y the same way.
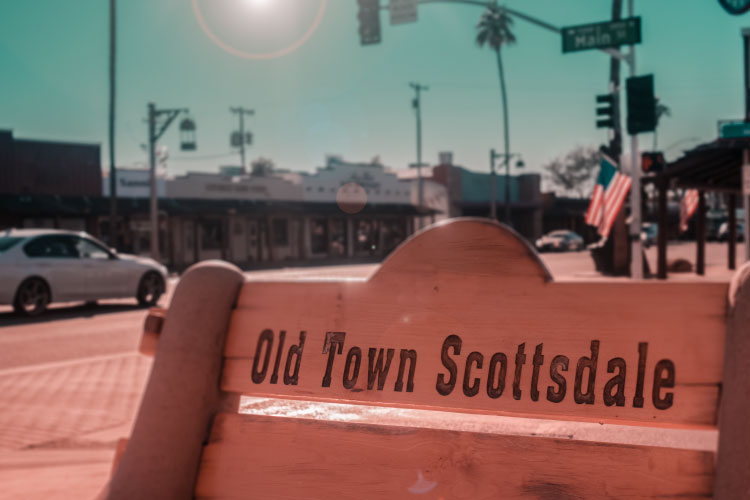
x: 206, y: 157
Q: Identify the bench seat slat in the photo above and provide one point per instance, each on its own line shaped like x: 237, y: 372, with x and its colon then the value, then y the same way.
x: 251, y: 456
x: 490, y: 316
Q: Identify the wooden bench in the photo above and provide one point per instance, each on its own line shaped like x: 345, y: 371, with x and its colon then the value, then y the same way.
x: 464, y: 318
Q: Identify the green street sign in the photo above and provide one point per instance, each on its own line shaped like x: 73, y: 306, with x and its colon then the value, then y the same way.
x: 602, y: 35
x: 734, y: 130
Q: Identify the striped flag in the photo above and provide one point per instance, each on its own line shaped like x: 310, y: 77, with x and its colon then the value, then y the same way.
x: 688, y: 206
x: 610, y: 192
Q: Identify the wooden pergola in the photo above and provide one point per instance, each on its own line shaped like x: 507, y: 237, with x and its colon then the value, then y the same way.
x: 714, y: 166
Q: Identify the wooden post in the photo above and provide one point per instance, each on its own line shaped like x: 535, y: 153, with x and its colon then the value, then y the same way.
x: 196, y: 241
x: 350, y: 236
x: 269, y: 238
x: 700, y: 237
x: 732, y: 480
x: 301, y: 238
x: 329, y: 230
x: 732, y: 235
x: 661, y: 237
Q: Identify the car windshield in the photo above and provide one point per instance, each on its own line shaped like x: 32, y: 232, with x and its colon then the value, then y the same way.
x: 8, y: 242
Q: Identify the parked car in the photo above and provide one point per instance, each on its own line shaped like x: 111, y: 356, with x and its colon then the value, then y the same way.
x: 40, y: 266
x: 560, y: 240
x: 649, y: 233
x: 723, y: 234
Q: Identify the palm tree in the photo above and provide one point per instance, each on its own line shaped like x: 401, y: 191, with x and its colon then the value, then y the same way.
x: 660, y: 110
x: 494, y: 31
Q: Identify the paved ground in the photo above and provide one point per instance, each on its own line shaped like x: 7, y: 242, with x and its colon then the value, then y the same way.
x: 70, y: 384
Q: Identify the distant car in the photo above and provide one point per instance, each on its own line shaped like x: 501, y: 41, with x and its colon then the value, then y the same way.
x: 561, y: 240
x: 40, y: 266
x: 723, y: 233
x: 649, y: 233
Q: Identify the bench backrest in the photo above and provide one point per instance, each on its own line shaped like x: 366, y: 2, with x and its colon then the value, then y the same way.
x: 463, y: 317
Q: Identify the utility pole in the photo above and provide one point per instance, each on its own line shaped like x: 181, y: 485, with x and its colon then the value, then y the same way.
x: 242, y: 112
x: 112, y: 168
x: 155, y: 131
x: 417, y: 105
x: 636, y: 260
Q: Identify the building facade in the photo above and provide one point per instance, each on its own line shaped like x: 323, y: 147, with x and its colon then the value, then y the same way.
x: 46, y: 167
x: 341, y: 211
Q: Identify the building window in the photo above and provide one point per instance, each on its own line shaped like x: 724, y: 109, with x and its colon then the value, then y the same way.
x: 338, y: 238
x: 394, y: 233
x: 321, y: 189
x: 211, y: 235
x: 319, y: 236
x: 280, y: 233
x: 368, y: 235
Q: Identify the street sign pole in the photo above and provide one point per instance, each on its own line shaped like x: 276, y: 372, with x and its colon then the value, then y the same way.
x: 636, y: 262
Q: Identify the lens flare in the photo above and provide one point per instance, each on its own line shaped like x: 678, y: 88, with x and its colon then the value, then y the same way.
x: 265, y: 4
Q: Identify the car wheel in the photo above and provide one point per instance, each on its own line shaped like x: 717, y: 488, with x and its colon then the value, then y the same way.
x: 150, y: 289
x: 32, y: 297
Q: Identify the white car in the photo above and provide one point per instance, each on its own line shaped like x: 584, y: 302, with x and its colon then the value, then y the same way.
x: 39, y: 266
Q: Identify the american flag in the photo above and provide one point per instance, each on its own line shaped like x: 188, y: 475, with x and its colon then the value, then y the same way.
x: 610, y: 192
x: 688, y: 206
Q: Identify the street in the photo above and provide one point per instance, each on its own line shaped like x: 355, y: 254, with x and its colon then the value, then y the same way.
x: 71, y: 380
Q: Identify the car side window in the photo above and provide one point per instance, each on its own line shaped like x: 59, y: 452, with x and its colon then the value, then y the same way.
x: 51, y: 247
x: 90, y: 250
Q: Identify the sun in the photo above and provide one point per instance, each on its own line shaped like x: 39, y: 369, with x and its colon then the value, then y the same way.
x: 256, y: 3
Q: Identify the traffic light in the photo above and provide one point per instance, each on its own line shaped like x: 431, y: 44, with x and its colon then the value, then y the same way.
x: 641, y: 104
x: 652, y: 162
x: 369, y: 21
x: 605, y: 116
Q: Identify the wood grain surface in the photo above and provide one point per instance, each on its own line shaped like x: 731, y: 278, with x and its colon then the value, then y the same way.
x: 271, y: 457
x: 478, y: 282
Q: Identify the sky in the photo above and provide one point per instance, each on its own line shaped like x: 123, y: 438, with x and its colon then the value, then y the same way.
x: 322, y: 93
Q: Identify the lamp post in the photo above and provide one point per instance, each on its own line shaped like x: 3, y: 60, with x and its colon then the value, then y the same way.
x: 493, y: 198
x: 158, y: 122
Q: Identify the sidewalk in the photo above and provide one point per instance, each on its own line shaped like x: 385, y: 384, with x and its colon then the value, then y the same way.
x: 61, y: 421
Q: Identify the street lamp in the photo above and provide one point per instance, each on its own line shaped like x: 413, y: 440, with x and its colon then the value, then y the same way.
x: 187, y: 135
x: 493, y: 200
x: 158, y: 122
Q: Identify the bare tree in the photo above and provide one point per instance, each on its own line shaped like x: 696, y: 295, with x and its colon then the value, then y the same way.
x: 574, y: 173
